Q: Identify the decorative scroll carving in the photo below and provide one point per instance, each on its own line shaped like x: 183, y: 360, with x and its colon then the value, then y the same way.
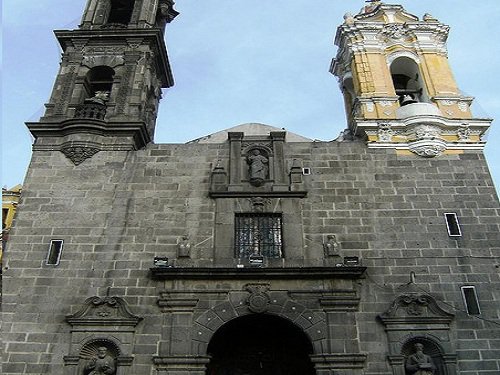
x: 78, y: 154
x: 463, y: 132
x: 395, y: 31
x: 414, y: 304
x: 259, y: 300
x: 104, y: 311
x: 428, y: 150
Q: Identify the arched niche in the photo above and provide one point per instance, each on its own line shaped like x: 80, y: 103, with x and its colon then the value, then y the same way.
x: 407, y: 81
x: 260, y: 344
x: 430, y: 348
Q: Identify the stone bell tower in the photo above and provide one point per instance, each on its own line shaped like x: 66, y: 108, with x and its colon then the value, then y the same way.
x: 107, y: 91
x: 398, y: 87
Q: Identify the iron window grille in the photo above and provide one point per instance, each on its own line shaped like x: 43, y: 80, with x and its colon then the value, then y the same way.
x: 258, y: 235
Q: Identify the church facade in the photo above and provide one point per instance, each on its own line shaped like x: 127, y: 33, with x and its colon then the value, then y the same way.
x: 255, y: 250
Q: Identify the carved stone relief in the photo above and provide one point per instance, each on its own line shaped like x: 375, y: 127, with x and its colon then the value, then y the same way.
x: 385, y: 132
x: 259, y: 300
x: 79, y: 153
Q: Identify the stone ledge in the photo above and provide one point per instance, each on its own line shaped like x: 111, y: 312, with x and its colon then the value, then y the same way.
x: 225, y: 273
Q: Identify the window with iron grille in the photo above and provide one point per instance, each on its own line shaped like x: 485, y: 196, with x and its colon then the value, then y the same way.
x: 258, y: 234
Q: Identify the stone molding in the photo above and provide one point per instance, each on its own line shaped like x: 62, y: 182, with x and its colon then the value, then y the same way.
x: 265, y: 273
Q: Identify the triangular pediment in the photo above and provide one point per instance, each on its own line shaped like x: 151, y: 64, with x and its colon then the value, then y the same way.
x: 250, y: 129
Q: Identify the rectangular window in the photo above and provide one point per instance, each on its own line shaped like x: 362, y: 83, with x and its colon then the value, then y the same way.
x: 453, y: 225
x: 54, y: 254
x: 258, y: 235
x: 470, y: 299
x: 5, y: 213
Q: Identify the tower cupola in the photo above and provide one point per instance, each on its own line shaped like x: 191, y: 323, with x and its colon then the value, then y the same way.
x: 398, y: 86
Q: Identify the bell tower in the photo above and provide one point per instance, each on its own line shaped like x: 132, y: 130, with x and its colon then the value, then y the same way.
x: 108, y: 87
x: 398, y: 86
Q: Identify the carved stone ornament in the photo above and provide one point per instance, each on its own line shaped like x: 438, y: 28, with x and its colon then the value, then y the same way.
x: 463, y: 132
x: 259, y: 204
x: 385, y: 132
x: 104, y: 311
x: 78, y: 154
x: 428, y: 149
x: 463, y: 106
x: 414, y: 304
x: 259, y: 300
x: 427, y: 132
x: 370, y: 107
x: 395, y: 31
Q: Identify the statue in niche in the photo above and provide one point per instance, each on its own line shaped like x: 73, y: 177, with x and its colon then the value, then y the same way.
x: 184, y: 247
x: 101, y: 364
x: 331, y: 246
x: 100, y: 97
x: 258, y: 167
x: 419, y: 363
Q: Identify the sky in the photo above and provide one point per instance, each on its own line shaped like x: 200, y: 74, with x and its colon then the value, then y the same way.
x: 240, y: 61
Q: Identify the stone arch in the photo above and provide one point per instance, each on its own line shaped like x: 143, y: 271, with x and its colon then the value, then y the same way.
x: 312, y: 324
x: 260, y: 342
x: 404, y: 53
x: 103, y: 60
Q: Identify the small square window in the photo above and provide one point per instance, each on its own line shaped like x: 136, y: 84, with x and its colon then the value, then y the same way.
x: 470, y: 299
x: 306, y: 171
x: 54, y: 254
x: 258, y: 235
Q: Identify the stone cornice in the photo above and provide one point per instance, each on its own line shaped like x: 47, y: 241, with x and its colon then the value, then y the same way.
x: 264, y: 273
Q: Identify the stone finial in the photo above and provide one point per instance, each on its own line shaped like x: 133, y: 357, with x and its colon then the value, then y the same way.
x: 349, y: 19
x: 428, y: 18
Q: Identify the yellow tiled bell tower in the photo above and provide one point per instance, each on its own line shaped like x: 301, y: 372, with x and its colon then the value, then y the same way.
x: 398, y: 86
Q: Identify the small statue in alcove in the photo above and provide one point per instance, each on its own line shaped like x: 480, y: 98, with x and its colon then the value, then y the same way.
x: 184, y: 247
x: 331, y: 246
x: 419, y: 363
x: 258, y: 167
x: 101, y: 364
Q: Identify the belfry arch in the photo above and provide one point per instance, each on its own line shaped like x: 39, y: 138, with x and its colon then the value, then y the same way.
x: 260, y: 344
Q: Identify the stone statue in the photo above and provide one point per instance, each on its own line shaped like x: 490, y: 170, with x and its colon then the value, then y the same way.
x: 101, y: 364
x: 100, y: 97
x: 258, y: 167
x: 331, y: 245
x: 419, y: 363
x: 184, y: 247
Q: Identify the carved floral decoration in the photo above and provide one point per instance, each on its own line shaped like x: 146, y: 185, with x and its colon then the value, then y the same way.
x: 78, y: 154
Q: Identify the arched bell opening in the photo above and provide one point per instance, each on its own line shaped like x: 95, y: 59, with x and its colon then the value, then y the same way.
x: 121, y: 12
x: 407, y: 81
x: 260, y: 344
x: 99, y: 79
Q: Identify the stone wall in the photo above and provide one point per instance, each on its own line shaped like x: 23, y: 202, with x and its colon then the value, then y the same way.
x: 118, y: 210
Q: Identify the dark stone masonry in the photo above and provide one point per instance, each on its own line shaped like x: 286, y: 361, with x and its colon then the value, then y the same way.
x: 253, y: 251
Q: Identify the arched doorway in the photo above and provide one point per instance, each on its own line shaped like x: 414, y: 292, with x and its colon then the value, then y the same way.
x: 260, y: 344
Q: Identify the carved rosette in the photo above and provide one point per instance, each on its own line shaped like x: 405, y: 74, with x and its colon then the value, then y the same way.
x: 259, y: 300
x: 78, y: 154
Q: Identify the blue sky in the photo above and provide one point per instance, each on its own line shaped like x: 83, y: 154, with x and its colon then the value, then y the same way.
x: 239, y: 61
